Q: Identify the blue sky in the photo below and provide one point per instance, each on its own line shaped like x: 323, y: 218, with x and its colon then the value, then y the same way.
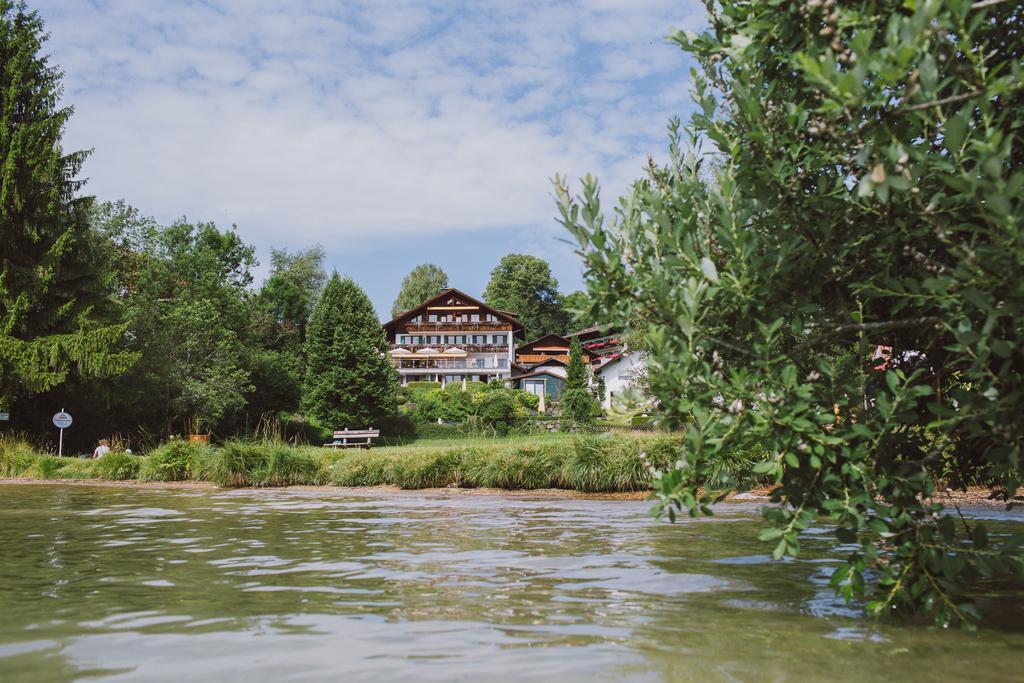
x: 391, y: 133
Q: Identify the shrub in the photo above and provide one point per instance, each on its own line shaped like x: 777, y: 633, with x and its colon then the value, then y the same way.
x: 577, y: 409
x: 117, y: 466
x: 496, y: 409
x: 415, y: 389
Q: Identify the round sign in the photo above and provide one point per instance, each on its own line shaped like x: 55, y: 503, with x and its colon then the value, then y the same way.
x: 62, y: 420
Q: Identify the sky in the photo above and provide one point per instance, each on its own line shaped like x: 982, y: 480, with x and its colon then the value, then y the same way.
x: 391, y: 133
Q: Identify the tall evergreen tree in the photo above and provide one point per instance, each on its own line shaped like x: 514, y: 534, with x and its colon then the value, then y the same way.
x: 577, y: 403
x: 55, y: 305
x: 349, y: 380
x: 423, y: 282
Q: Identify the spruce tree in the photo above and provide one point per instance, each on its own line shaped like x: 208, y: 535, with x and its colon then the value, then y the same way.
x: 577, y: 403
x: 349, y: 379
x: 54, y: 301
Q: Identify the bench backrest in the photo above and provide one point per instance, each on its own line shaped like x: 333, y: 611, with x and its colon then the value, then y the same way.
x: 349, y: 433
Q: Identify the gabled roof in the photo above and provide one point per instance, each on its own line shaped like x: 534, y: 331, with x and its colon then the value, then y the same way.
x: 532, y: 373
x: 552, y: 362
x: 517, y: 327
x: 547, y: 338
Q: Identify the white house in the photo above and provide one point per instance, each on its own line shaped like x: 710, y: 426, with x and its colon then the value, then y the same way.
x: 620, y: 372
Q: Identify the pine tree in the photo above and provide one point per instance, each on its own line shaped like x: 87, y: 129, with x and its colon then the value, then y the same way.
x: 349, y: 379
x: 54, y: 301
x: 577, y: 403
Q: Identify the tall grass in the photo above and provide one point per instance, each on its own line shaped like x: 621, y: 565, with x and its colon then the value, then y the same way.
x: 17, y: 455
x: 592, y: 463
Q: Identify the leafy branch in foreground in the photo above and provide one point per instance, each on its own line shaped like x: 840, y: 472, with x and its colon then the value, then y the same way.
x: 840, y: 283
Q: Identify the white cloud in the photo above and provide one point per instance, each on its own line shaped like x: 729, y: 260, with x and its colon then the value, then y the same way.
x: 339, y: 122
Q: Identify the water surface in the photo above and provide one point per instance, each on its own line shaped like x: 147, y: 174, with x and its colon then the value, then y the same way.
x: 170, y: 585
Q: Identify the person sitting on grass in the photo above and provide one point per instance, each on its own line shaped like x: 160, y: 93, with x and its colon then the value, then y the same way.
x: 102, y: 449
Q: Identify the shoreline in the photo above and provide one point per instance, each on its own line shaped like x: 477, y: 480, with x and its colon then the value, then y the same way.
x: 974, y: 495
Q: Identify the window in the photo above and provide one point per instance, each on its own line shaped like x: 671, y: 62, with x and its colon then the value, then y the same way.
x: 501, y: 339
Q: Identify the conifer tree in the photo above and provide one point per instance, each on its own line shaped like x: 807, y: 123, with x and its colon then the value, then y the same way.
x: 54, y: 302
x: 349, y: 380
x: 577, y: 403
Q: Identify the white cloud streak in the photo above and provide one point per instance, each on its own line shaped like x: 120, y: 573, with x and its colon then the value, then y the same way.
x: 340, y: 123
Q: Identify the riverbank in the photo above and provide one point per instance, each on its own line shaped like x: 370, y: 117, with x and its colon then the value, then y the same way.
x: 974, y: 496
x: 584, y: 463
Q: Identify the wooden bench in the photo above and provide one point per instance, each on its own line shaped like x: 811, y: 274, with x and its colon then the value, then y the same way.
x: 347, y: 438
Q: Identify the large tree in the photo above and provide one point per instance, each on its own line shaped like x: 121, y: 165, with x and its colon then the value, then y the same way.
x: 350, y: 381
x: 842, y: 282
x: 524, y: 285
x: 57, y: 315
x: 423, y: 282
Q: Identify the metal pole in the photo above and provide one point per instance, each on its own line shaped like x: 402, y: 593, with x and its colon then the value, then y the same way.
x: 60, y: 441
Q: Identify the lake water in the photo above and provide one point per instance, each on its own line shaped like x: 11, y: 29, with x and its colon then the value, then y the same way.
x: 283, y: 585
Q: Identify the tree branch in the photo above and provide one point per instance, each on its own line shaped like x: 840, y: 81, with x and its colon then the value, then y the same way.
x: 938, y: 103
x: 986, y: 3
x: 882, y: 326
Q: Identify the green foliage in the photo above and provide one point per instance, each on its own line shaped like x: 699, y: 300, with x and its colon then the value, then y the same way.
x: 524, y: 285
x: 79, y: 468
x: 424, y: 282
x: 496, y: 409
x: 362, y: 468
x: 431, y: 469
x: 866, y: 191
x: 17, y: 455
x: 575, y: 305
x: 117, y: 466
x: 416, y: 389
x: 56, y: 315
x: 349, y: 379
x: 171, y: 461
x: 577, y: 403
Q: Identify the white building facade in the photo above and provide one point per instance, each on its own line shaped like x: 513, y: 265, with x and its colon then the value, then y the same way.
x: 453, y: 337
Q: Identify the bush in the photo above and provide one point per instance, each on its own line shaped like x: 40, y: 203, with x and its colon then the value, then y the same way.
x: 415, y: 389
x: 496, y: 409
x: 117, y: 466
x: 577, y: 409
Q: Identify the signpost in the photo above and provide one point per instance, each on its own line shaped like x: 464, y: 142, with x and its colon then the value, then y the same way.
x: 61, y: 421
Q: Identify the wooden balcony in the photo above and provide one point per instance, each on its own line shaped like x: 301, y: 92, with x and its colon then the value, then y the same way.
x: 457, y: 326
x: 468, y: 348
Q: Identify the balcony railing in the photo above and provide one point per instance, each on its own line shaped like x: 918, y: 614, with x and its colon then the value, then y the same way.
x: 458, y: 325
x: 444, y: 364
x: 469, y: 348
